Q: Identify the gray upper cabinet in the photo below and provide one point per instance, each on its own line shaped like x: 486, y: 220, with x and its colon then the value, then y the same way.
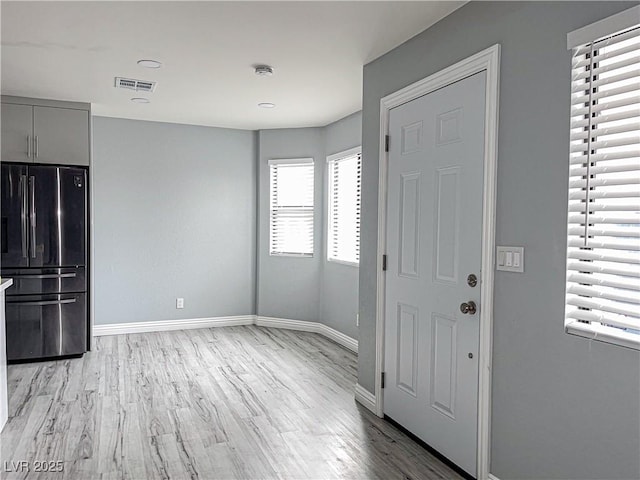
x: 61, y: 135
x: 45, y: 131
x: 17, y: 138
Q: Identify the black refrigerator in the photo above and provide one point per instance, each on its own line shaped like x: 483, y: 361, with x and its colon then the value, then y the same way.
x: 44, y: 251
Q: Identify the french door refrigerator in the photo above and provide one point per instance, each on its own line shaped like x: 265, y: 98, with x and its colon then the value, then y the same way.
x: 44, y: 251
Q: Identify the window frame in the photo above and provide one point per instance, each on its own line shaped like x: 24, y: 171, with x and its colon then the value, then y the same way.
x: 331, y: 159
x: 285, y: 162
x: 585, y: 36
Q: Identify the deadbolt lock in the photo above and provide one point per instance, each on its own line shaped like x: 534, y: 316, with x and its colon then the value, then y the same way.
x: 472, y: 280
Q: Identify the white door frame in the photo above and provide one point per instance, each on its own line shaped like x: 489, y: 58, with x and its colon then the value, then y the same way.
x: 487, y: 60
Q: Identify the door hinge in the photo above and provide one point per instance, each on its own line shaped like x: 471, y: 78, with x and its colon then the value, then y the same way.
x: 386, y: 143
x: 384, y: 263
x: 382, y: 380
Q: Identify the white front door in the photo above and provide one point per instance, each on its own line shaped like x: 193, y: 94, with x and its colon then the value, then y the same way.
x: 434, y: 240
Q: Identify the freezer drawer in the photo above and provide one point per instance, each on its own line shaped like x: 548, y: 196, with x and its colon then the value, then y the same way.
x: 41, y: 326
x: 37, y: 281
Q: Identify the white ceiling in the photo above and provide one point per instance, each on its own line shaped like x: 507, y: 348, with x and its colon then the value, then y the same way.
x: 73, y: 51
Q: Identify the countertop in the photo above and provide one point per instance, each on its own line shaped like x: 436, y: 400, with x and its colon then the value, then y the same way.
x: 5, y: 283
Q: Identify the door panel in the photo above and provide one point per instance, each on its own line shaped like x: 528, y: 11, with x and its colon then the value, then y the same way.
x: 41, y: 326
x: 407, y: 350
x: 409, y: 225
x: 59, y: 223
x: 62, y: 135
x: 434, y: 236
x: 443, y: 364
x: 447, y: 227
x: 17, y: 139
x: 15, y: 246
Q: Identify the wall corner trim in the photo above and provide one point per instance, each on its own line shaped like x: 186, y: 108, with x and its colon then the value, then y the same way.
x: 232, y: 321
x: 365, y: 398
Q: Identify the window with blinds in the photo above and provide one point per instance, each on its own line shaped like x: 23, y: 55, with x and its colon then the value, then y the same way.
x: 603, y: 249
x: 291, y: 205
x: 343, y: 232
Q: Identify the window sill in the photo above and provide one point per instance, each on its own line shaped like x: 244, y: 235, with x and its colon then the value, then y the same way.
x: 294, y: 255
x: 604, y: 334
x: 343, y: 262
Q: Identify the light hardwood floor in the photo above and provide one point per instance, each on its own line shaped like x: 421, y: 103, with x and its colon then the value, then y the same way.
x: 223, y: 403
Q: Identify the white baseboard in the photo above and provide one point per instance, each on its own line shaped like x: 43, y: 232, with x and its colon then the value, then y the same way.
x: 315, y: 327
x: 338, y: 337
x: 365, y: 398
x: 191, y: 323
x: 165, y: 325
x: 286, y: 323
x: 492, y: 477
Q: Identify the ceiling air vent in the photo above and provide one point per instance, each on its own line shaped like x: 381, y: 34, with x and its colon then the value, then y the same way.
x: 137, y: 85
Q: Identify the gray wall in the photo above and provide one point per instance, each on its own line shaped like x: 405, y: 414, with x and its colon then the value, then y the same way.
x: 563, y: 407
x: 289, y: 287
x: 164, y: 194
x: 174, y: 216
x: 339, y: 302
x: 309, y: 289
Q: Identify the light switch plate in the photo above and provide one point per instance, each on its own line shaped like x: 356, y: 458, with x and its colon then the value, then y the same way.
x: 510, y: 259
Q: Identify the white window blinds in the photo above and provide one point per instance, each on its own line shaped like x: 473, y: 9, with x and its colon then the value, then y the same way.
x: 603, y: 254
x: 291, y: 204
x: 343, y: 233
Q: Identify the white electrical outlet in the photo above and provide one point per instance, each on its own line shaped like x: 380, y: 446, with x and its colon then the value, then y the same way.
x: 179, y: 302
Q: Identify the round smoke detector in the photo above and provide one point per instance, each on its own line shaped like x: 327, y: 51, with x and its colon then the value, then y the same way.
x: 264, y: 70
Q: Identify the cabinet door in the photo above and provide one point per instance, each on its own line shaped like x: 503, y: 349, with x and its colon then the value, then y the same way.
x: 62, y: 135
x: 17, y: 140
x: 4, y: 403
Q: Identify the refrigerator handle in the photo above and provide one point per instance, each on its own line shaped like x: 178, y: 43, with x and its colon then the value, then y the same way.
x: 21, y: 276
x: 43, y: 303
x: 23, y: 214
x: 32, y: 214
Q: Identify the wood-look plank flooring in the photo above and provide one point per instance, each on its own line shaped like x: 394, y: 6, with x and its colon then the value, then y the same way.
x: 223, y: 403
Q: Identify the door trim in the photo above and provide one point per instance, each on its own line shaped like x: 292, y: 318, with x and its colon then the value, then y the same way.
x: 487, y: 60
